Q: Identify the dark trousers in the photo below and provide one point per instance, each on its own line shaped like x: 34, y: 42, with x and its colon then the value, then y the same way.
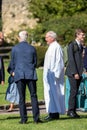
x: 21, y: 84
x: 74, y: 86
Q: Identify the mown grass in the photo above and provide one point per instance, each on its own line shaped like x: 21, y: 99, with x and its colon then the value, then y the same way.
x: 10, y: 122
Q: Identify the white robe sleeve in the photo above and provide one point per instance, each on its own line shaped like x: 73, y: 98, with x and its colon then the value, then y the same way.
x: 59, y: 63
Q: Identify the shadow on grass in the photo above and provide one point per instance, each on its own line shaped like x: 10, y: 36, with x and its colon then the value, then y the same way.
x: 16, y: 117
x: 2, y: 93
x: 65, y: 117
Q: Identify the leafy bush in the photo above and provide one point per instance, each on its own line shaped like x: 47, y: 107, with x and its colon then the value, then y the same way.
x: 64, y: 27
x: 40, y: 55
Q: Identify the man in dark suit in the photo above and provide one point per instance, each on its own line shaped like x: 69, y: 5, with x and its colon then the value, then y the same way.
x: 74, y: 70
x: 85, y: 58
x: 2, y: 71
x: 23, y: 63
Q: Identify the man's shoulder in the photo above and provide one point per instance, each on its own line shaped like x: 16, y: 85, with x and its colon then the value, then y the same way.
x: 15, y: 46
x: 72, y: 42
x: 23, y: 45
x: 57, y: 44
x: 74, y: 46
x: 31, y: 47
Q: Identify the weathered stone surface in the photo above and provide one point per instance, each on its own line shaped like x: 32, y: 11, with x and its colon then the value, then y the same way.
x: 15, y: 16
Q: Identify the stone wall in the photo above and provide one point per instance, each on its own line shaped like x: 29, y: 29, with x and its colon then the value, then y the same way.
x: 15, y: 16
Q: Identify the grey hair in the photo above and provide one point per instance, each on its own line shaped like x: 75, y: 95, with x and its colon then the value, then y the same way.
x: 23, y: 35
x: 52, y: 34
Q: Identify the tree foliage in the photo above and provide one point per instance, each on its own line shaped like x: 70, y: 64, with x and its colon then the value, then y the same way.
x: 46, y: 9
x: 61, y: 16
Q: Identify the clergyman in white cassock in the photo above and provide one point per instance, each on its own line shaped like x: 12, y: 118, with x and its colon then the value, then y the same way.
x: 53, y: 79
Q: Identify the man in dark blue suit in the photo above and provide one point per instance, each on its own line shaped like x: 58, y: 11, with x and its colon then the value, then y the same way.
x: 23, y: 63
x: 85, y: 58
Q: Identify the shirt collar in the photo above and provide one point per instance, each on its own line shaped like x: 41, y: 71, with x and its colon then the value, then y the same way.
x: 78, y: 42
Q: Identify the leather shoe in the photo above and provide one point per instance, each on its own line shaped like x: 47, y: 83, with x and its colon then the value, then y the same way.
x: 73, y: 114
x: 48, y: 118
x: 54, y: 115
x: 78, y: 116
x: 22, y: 122
x: 38, y: 121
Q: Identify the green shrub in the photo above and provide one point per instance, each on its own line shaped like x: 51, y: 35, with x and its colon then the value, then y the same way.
x: 64, y: 27
x: 40, y: 55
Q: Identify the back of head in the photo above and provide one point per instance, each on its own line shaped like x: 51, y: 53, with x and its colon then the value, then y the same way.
x: 23, y: 35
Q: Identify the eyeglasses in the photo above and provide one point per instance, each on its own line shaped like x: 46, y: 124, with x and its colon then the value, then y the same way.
x: 47, y: 36
x: 82, y: 34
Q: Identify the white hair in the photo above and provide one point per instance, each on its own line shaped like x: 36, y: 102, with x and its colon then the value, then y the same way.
x: 23, y: 35
x: 52, y: 34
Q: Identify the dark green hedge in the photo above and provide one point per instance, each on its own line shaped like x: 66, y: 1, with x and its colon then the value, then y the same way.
x: 64, y: 27
x: 41, y: 50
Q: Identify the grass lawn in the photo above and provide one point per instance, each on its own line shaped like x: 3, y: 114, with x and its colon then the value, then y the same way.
x: 10, y: 122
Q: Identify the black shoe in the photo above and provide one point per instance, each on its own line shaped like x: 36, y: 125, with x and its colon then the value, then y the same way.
x: 77, y: 115
x: 38, y: 121
x: 54, y: 115
x: 48, y: 118
x: 72, y: 114
x: 22, y: 122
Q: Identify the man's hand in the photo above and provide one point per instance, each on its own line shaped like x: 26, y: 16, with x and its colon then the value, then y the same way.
x: 13, y: 74
x: 76, y: 76
x: 2, y: 82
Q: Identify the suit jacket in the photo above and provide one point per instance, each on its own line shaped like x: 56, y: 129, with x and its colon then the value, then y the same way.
x: 23, y: 62
x: 2, y: 70
x: 75, y: 60
x: 85, y: 58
